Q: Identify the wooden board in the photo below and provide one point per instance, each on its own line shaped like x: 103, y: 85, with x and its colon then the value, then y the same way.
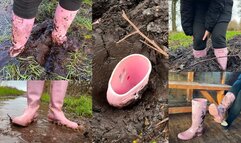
x: 174, y: 110
x: 195, y: 85
x: 213, y: 131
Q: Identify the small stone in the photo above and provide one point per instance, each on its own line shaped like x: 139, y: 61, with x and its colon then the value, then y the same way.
x: 31, y: 131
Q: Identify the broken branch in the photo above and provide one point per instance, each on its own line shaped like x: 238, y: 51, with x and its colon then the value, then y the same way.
x: 152, y: 42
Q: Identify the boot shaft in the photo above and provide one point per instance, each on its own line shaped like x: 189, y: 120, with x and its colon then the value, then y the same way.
x: 34, y: 92
x: 58, y: 91
x: 199, y: 108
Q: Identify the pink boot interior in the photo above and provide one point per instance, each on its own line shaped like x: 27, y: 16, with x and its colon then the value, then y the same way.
x: 129, y: 73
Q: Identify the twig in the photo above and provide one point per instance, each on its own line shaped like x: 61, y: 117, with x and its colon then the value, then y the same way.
x: 157, y: 48
x: 127, y: 36
x: 210, y: 59
x: 165, y: 120
x: 149, y: 45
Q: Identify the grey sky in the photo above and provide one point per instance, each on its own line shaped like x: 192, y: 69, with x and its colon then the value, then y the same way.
x: 235, y: 15
x: 22, y: 85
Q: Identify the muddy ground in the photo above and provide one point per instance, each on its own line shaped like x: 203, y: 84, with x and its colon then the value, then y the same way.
x: 138, y: 122
x: 182, y: 59
x: 40, y: 131
x: 42, y: 59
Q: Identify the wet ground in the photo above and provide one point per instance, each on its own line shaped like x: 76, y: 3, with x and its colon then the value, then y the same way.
x: 40, y: 131
x: 182, y: 59
x: 41, y: 58
x: 141, y: 121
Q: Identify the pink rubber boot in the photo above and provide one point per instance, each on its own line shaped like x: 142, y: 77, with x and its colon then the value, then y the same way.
x: 200, y: 53
x: 222, y: 53
x: 199, y: 106
x: 62, y: 21
x: 34, y: 92
x: 129, y: 77
x: 218, y: 112
x: 56, y: 115
x: 21, y: 30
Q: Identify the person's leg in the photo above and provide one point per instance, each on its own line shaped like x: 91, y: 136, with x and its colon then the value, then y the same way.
x: 24, y: 13
x: 234, y: 111
x: 64, y: 15
x: 58, y: 91
x: 199, y: 45
x: 218, y: 112
x: 34, y: 92
x: 219, y: 44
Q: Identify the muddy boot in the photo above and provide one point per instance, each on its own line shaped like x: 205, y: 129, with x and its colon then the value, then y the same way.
x: 199, y: 106
x: 56, y: 115
x: 62, y: 20
x: 21, y: 30
x: 224, y: 60
x: 126, y: 81
x: 218, y: 112
x: 34, y: 92
x: 200, y: 53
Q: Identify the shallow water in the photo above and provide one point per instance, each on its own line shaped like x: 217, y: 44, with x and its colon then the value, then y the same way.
x: 40, y: 131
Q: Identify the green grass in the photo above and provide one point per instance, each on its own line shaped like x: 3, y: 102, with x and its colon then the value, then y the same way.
x: 6, y: 91
x: 32, y: 70
x: 88, y: 2
x: 231, y: 34
x: 79, y: 105
x: 179, y: 39
x: 83, y: 22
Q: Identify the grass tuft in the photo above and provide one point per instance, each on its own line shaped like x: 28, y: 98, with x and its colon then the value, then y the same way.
x: 79, y: 105
x: 32, y: 70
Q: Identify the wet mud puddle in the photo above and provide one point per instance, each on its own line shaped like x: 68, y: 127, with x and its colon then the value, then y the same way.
x: 40, y: 131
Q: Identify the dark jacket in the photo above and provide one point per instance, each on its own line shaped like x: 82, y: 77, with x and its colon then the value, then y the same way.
x: 210, y: 12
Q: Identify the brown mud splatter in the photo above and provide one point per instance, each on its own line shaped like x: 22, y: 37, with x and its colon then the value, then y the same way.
x: 182, y: 59
x: 138, y: 121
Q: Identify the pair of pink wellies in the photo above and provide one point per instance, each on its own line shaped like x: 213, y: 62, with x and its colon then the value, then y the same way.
x: 129, y: 77
x: 199, y: 108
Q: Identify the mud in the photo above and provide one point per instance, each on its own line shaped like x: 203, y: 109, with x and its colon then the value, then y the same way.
x: 182, y: 59
x: 56, y: 60
x: 136, y: 122
x: 40, y: 131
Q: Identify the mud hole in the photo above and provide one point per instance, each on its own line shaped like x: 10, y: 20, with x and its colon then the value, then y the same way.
x: 139, y: 121
x: 72, y: 60
x: 40, y: 131
x: 52, y: 57
x: 182, y: 59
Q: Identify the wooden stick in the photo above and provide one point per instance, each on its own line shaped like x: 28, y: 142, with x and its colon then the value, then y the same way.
x: 135, y: 32
x: 208, y: 60
x: 149, y: 45
x: 157, y: 48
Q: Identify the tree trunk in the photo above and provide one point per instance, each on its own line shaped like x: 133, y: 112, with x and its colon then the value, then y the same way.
x: 174, y: 15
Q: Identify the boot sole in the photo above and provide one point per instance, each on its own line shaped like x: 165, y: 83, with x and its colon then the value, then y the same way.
x: 214, y: 112
x: 80, y: 128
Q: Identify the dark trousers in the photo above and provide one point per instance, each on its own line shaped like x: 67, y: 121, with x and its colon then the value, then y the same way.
x: 28, y: 8
x: 235, y: 109
x: 218, y: 35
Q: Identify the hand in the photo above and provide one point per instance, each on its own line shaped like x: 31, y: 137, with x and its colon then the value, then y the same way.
x: 206, y: 35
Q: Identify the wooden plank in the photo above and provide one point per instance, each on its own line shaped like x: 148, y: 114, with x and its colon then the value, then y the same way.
x: 190, y: 78
x: 208, y: 97
x: 195, y: 85
x: 174, y: 110
x: 220, y: 94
